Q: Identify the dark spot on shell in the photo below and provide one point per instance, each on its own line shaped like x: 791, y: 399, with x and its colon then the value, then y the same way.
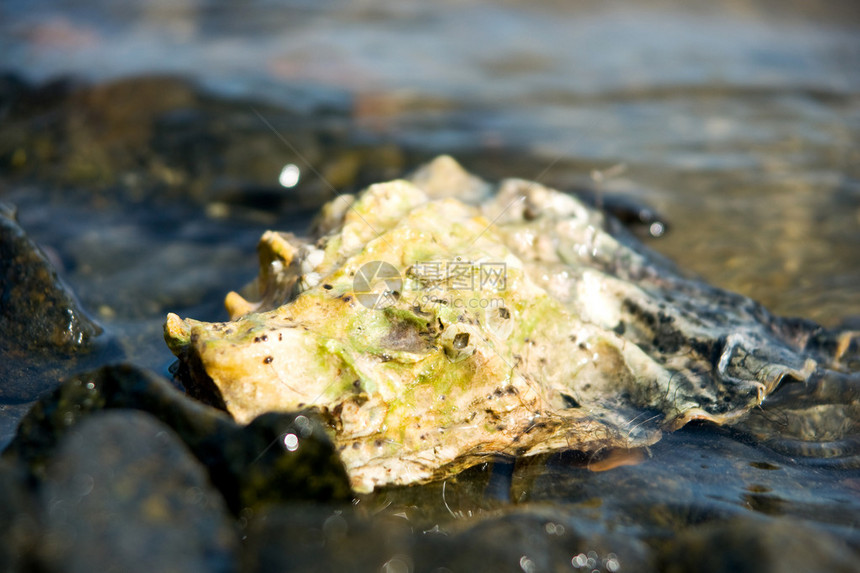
x: 504, y: 312
x: 264, y: 338
x: 228, y: 331
x: 461, y: 341
x: 378, y: 443
x: 356, y: 384
x: 619, y: 328
x: 407, y: 336
x: 268, y: 360
x: 327, y: 287
x: 492, y: 415
x: 355, y: 445
x: 441, y: 326
x: 280, y: 337
x: 346, y: 298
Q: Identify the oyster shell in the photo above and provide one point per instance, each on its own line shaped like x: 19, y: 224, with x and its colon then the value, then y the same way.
x: 433, y: 331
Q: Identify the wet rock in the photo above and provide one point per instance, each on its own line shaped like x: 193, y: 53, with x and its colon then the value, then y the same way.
x: 19, y: 520
x: 92, y: 135
x: 43, y: 330
x: 744, y: 545
x: 275, y: 458
x: 38, y: 312
x: 161, y: 137
x: 125, y: 494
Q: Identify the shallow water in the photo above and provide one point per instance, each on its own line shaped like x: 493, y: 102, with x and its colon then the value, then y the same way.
x: 739, y: 122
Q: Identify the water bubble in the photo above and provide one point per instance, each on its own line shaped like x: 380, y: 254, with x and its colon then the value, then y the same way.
x: 527, y: 564
x: 304, y: 425
x: 554, y: 528
x: 289, y: 176
x: 291, y: 442
x: 657, y: 229
x: 611, y: 563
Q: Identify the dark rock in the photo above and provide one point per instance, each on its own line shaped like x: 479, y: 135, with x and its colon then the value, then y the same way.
x: 277, y: 457
x: 282, y: 457
x: 18, y: 521
x: 44, y: 333
x: 125, y: 494
x: 37, y: 311
x: 757, y: 545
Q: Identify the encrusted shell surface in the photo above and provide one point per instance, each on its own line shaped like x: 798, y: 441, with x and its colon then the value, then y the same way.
x: 514, y: 323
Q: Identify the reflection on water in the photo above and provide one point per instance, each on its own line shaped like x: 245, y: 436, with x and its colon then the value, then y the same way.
x: 739, y: 122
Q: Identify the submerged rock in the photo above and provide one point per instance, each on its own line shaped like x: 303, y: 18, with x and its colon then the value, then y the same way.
x: 289, y: 538
x: 123, y: 493
x: 434, y: 323
x: 277, y: 457
x: 19, y: 521
x: 44, y: 332
x: 747, y: 545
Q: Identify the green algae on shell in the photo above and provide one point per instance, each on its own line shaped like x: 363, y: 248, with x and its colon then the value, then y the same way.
x: 514, y: 323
